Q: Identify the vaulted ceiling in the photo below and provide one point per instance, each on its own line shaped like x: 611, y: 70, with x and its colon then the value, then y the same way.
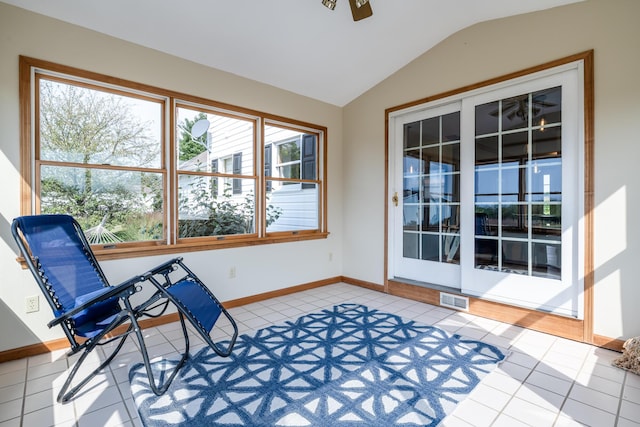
x: 296, y: 45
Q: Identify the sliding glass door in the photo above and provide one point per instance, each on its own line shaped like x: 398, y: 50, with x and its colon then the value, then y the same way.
x: 486, y: 193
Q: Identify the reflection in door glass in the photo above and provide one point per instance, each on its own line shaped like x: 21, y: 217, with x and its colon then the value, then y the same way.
x: 431, y: 193
x: 518, y: 184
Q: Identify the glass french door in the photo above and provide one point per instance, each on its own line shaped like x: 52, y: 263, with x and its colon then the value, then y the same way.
x: 429, y: 196
x: 488, y: 194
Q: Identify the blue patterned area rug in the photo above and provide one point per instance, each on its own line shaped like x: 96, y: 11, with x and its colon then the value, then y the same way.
x: 350, y: 366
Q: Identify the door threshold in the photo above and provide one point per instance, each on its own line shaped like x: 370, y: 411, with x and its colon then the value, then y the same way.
x: 428, y: 285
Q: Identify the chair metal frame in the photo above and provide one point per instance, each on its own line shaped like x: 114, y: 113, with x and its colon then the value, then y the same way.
x: 163, y: 283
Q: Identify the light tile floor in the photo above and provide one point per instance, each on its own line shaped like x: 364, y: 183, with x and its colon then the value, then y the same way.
x: 545, y: 381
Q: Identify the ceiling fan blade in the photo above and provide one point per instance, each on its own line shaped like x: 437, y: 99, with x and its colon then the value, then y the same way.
x: 361, y: 12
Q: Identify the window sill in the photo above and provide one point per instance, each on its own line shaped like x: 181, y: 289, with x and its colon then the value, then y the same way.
x: 135, y: 252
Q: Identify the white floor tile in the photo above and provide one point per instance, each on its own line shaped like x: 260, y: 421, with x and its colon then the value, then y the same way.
x: 97, y: 399
x: 55, y: 415
x: 587, y: 415
x: 13, y: 365
x: 11, y: 392
x: 631, y: 394
x: 549, y: 382
x: 529, y: 413
x: 594, y: 398
x: 540, y: 397
x: 14, y: 422
x: 601, y: 384
x: 545, y: 380
x: 13, y: 377
x: 453, y: 421
x: 507, y: 421
x: 44, y: 369
x: 514, y: 370
x: 630, y: 411
x: 10, y: 409
x: 475, y: 413
x: 623, y: 422
x: 633, y: 380
x: 502, y: 382
x: 111, y: 416
x: 40, y: 400
x: 490, y: 397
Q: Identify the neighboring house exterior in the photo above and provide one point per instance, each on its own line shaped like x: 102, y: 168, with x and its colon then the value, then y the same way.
x: 289, y: 154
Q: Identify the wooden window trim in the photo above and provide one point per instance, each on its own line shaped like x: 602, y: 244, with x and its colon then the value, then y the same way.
x: 27, y: 65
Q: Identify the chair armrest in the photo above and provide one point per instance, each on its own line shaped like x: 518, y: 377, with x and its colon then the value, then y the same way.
x: 124, y: 287
x: 163, y: 268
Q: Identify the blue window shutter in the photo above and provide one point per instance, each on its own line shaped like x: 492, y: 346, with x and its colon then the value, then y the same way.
x: 268, y: 164
x: 237, y: 170
x: 308, y: 159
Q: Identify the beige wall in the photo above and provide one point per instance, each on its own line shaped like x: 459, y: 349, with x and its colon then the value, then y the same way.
x: 492, y: 49
x: 258, y: 269
x: 356, y: 167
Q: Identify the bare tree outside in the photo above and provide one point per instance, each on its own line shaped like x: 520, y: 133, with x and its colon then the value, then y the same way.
x: 95, y: 147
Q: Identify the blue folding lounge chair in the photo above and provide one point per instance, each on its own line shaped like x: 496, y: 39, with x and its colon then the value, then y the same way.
x: 93, y: 313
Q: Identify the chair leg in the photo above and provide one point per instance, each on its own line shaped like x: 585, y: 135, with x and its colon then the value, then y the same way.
x: 162, y: 386
x: 64, y: 396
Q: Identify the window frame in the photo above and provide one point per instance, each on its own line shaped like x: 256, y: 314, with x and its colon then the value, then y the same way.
x: 30, y: 68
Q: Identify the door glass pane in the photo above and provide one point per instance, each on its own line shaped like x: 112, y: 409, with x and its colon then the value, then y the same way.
x: 431, y: 131
x: 546, y: 220
x: 451, y: 157
x: 431, y: 189
x: 546, y: 106
x: 515, y: 112
x: 486, y: 254
x: 431, y: 247
x: 411, y: 189
x: 451, y: 248
x: 486, y: 184
x: 431, y: 159
x: 515, y: 257
x: 412, y: 163
x: 431, y: 218
x: 410, y: 245
x: 412, y: 135
x: 518, y: 184
x: 487, y: 151
x: 451, y: 127
x: 547, y: 143
x: 411, y: 217
x: 546, y: 260
x: 545, y: 184
x: 511, y: 179
x: 487, y: 118
x: 515, y: 221
x: 514, y: 147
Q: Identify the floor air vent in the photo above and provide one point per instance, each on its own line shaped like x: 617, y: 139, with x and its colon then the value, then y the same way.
x: 454, y: 301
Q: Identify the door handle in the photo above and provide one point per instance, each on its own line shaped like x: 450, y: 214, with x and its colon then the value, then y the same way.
x: 394, y: 199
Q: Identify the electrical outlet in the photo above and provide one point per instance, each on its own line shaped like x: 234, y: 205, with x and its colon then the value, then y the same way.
x: 232, y: 273
x: 330, y: 256
x: 31, y: 304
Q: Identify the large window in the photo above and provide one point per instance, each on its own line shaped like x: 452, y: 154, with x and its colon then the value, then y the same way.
x: 291, y: 165
x: 148, y: 169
